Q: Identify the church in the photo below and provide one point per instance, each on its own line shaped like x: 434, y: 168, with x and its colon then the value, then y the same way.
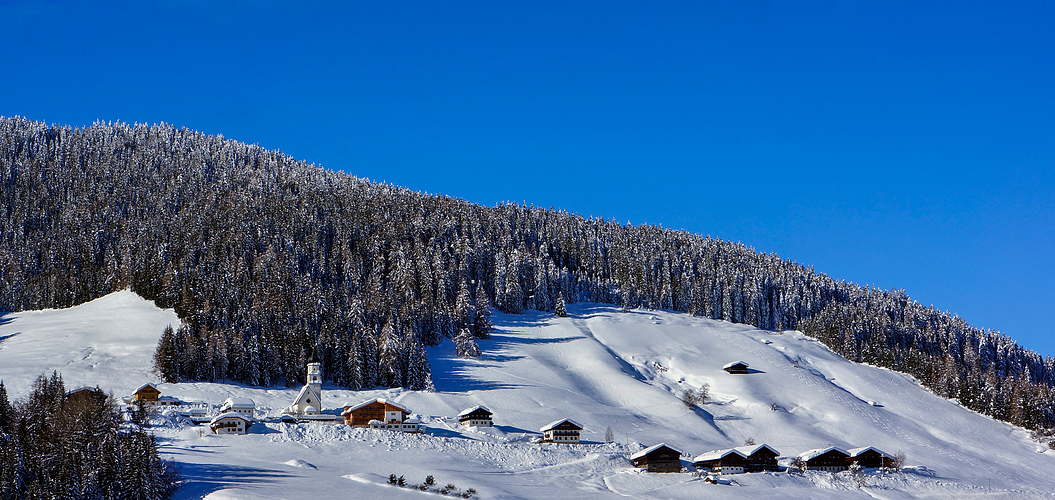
x: 308, y: 404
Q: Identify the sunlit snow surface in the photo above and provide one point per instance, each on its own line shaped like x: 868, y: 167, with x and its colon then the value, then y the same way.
x: 600, y: 367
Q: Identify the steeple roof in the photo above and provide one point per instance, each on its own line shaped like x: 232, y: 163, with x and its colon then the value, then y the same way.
x: 311, y: 356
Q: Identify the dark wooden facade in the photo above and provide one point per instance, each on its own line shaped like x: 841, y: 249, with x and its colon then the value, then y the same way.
x: 661, y: 459
x: 763, y: 459
x: 478, y: 416
x: 831, y: 461
x: 732, y: 459
x: 872, y: 458
x: 737, y: 368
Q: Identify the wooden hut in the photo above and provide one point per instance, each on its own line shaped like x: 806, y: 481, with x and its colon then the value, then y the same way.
x: 738, y: 367
x: 658, y: 458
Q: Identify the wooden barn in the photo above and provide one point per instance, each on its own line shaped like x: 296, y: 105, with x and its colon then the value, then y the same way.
x: 870, y: 457
x: 477, y: 416
x: 829, y: 459
x: 738, y: 367
x: 379, y: 409
x: 658, y: 458
x: 565, y: 431
x: 730, y: 461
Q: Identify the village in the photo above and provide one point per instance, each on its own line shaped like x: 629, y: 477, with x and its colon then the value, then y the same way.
x: 237, y: 414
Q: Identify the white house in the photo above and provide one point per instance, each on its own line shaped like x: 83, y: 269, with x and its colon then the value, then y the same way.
x: 229, y: 423
x: 242, y: 406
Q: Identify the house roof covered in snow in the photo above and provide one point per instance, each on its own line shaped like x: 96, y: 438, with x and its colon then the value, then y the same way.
x: 650, y: 449
x: 384, y: 401
x: 228, y: 414
x: 144, y: 386
x: 718, y: 454
x: 854, y: 452
x: 239, y: 402
x: 811, y: 454
x: 555, y: 423
x: 734, y: 363
x: 468, y: 411
x: 747, y: 451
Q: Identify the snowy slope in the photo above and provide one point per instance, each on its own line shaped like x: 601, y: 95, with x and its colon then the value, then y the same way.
x: 600, y: 367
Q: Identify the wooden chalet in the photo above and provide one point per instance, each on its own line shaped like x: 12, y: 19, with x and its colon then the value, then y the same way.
x: 738, y: 367
x: 730, y: 461
x: 477, y: 416
x: 229, y: 423
x: 565, y: 431
x: 147, y: 393
x: 870, y: 457
x: 379, y: 409
x: 829, y: 459
x: 759, y: 458
x: 658, y: 458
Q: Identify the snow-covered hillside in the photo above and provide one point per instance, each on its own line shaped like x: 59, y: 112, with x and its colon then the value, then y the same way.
x: 599, y: 366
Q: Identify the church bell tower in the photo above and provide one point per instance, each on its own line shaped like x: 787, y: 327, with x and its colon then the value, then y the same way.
x: 315, y: 375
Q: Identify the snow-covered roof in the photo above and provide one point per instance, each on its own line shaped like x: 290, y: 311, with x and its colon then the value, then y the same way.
x: 477, y: 407
x: 555, y: 423
x: 734, y: 363
x: 412, y: 420
x: 650, y: 449
x: 717, y: 454
x: 349, y: 409
x: 168, y: 398
x: 239, y: 402
x: 853, y: 452
x: 144, y: 386
x: 747, y: 451
x: 811, y: 454
x: 228, y: 414
x: 81, y: 388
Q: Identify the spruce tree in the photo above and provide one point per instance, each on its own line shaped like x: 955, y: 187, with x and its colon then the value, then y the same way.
x: 558, y: 308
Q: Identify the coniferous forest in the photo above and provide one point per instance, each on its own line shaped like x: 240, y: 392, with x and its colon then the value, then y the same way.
x: 265, y: 258
x: 54, y: 445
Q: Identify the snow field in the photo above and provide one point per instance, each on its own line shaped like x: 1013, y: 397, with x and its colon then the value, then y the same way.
x: 599, y: 366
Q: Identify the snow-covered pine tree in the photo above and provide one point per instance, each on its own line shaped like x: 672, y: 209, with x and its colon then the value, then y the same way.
x: 558, y: 307
x: 466, y: 345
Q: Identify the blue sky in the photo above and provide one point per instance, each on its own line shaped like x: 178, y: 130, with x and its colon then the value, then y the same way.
x: 897, y: 144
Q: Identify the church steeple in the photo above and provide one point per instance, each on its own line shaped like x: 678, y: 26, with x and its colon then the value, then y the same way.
x: 315, y: 375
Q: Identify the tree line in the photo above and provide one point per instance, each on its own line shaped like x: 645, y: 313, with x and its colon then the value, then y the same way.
x: 265, y: 258
x: 54, y: 445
